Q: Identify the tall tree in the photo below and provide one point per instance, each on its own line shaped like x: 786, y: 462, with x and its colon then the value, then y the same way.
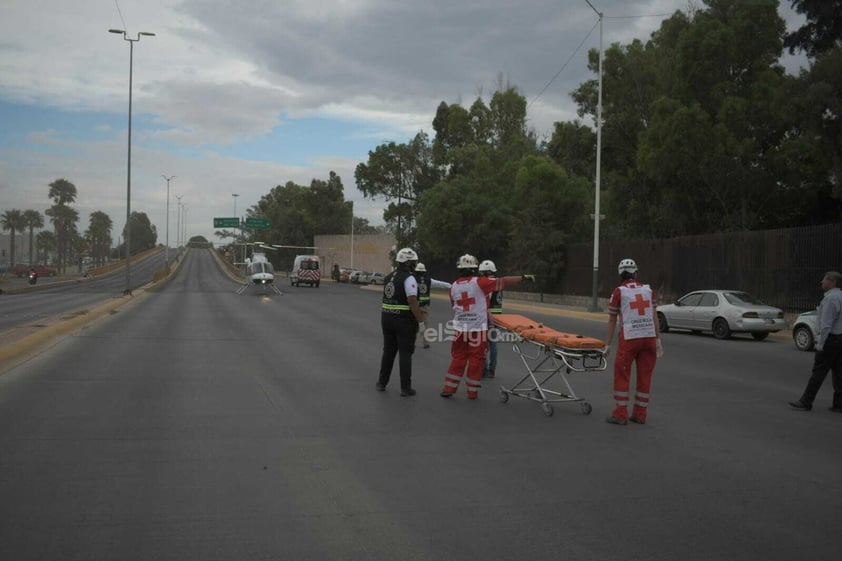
x: 13, y: 221
x: 64, y: 220
x: 63, y: 193
x: 144, y: 235
x: 823, y: 30
x: 690, y: 124
x: 400, y: 173
x: 808, y: 161
x: 33, y: 219
x: 99, y: 234
x: 298, y: 213
x: 550, y: 210
x: 45, y: 242
x: 573, y: 147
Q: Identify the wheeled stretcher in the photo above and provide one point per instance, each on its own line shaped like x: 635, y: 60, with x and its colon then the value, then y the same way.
x: 546, y: 353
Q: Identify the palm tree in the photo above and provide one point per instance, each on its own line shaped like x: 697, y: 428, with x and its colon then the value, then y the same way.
x: 62, y: 192
x: 64, y: 220
x: 99, y: 233
x: 33, y: 220
x: 12, y: 220
x: 44, y: 243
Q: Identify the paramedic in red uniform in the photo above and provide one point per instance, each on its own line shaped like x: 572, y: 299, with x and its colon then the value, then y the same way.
x: 469, y: 299
x: 639, y: 342
x: 399, y: 318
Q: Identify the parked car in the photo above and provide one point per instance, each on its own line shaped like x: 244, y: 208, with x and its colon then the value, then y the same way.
x: 376, y: 278
x: 23, y: 271
x: 344, y: 274
x: 722, y: 312
x: 805, y: 330
x: 358, y: 277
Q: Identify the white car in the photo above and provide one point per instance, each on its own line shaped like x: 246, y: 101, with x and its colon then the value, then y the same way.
x: 805, y: 330
x: 721, y: 312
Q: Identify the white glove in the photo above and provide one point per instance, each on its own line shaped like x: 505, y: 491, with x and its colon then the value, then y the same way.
x: 606, y: 351
x: 659, y: 348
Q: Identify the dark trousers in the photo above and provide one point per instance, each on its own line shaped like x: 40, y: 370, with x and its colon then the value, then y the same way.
x: 826, y: 360
x: 399, y: 333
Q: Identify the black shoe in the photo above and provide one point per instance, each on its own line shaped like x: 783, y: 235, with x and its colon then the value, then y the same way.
x: 446, y: 394
x: 380, y: 387
x: 800, y: 405
x: 637, y: 421
x: 615, y: 421
x: 407, y: 392
x: 426, y: 345
x: 835, y: 409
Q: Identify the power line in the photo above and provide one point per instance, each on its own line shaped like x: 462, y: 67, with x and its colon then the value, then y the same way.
x: 564, y: 66
x: 567, y: 62
x: 121, y: 15
x: 641, y: 16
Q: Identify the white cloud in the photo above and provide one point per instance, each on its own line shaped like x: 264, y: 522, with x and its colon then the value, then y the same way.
x: 219, y: 73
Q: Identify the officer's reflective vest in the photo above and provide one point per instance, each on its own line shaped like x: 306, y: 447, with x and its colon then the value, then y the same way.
x: 394, y: 294
x: 495, y: 302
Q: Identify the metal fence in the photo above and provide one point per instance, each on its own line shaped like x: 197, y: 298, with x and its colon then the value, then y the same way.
x: 781, y: 267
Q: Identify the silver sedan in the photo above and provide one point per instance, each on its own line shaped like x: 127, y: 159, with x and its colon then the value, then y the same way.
x: 722, y: 312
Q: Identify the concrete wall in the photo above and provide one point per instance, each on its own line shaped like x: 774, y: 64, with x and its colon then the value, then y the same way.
x: 368, y: 253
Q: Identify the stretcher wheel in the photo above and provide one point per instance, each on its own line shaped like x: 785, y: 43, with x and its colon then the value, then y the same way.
x: 548, y: 409
x: 504, y: 397
x: 586, y: 408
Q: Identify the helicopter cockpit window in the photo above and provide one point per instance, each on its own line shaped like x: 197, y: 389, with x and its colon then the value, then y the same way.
x: 261, y: 267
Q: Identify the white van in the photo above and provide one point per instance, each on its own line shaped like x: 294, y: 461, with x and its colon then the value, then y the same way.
x: 306, y: 269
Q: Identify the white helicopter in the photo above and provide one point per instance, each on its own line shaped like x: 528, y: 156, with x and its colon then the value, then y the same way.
x: 259, y: 270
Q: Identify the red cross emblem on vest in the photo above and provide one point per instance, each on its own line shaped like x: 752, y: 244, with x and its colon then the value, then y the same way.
x: 465, y: 302
x: 640, y: 304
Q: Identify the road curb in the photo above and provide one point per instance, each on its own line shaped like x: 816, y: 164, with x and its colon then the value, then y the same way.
x: 19, y: 344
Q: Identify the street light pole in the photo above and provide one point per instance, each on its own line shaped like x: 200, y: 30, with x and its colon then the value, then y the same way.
x: 184, y: 224
x: 131, y: 41
x: 167, y: 252
x: 178, y: 224
x: 235, y: 195
x: 596, y: 217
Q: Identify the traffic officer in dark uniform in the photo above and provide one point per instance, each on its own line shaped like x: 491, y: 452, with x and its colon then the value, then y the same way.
x: 399, y: 320
x: 495, y: 306
x: 425, y: 283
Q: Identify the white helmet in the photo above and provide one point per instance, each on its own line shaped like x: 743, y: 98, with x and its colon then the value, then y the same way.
x: 421, y: 268
x: 488, y: 265
x: 467, y: 262
x: 406, y: 254
x: 627, y: 266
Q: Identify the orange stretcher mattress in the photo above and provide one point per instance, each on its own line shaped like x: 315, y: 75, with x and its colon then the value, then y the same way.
x: 533, y: 331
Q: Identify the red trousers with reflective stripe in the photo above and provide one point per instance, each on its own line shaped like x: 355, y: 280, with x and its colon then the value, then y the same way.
x: 467, y: 349
x: 642, y: 353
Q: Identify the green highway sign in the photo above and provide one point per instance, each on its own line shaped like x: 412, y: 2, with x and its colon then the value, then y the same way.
x: 226, y: 222
x: 258, y: 223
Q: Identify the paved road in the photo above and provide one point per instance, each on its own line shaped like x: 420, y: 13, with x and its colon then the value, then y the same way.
x: 199, y: 424
x: 22, y: 304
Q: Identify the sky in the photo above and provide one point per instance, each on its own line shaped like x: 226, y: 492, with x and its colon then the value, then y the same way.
x: 238, y: 97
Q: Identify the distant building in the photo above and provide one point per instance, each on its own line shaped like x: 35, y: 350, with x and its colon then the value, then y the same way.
x: 370, y: 253
x: 21, y: 249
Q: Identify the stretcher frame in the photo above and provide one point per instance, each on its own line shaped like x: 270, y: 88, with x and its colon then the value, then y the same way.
x: 545, y: 362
